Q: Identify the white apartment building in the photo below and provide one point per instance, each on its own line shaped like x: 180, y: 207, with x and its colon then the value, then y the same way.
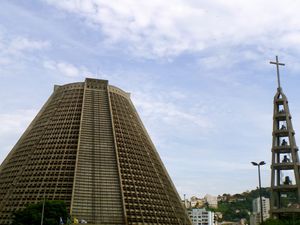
x: 201, y: 217
x: 255, y: 218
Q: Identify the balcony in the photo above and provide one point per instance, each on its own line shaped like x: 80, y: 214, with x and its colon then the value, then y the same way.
x: 281, y: 116
x: 283, y: 133
x: 285, y: 165
x: 283, y: 149
x: 295, y: 209
x: 285, y: 187
x: 279, y: 101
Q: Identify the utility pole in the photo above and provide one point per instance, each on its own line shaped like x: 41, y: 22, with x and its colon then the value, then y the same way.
x: 259, y: 182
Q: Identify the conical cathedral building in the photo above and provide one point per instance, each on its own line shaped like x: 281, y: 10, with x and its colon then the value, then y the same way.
x: 88, y: 147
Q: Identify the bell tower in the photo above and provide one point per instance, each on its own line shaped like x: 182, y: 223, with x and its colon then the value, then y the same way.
x: 285, y: 180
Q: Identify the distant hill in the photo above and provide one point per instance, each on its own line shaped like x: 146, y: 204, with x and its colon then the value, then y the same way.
x: 238, y: 206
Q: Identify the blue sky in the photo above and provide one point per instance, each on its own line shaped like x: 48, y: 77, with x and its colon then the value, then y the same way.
x: 198, y: 72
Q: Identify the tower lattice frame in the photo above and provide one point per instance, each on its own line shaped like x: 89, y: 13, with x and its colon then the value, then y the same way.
x: 285, y: 181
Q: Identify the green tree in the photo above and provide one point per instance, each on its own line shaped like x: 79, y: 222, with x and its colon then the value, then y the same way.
x: 292, y: 220
x: 238, y: 206
x: 32, y: 214
x: 273, y: 222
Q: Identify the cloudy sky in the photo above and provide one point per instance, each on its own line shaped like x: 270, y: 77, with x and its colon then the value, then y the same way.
x: 198, y: 72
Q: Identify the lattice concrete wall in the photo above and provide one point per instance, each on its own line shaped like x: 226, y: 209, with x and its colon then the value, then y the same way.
x: 88, y: 147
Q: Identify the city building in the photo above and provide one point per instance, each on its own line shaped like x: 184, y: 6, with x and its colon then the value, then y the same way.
x: 194, y: 201
x: 88, y: 147
x: 212, y: 201
x: 265, y: 207
x: 255, y: 217
x: 186, y: 203
x: 201, y: 216
x: 197, y: 202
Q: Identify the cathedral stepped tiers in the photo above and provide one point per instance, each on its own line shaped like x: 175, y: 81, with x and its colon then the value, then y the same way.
x: 285, y: 179
x: 88, y: 147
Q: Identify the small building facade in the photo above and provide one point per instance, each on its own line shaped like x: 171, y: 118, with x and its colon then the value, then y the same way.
x: 201, y: 216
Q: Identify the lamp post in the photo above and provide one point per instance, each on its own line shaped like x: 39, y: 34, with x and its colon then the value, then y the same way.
x: 184, y: 208
x: 260, y: 198
x: 43, y: 207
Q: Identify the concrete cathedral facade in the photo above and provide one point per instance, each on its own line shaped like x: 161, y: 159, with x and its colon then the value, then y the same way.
x: 88, y: 147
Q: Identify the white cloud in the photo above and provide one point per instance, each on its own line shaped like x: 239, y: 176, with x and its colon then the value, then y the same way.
x: 12, y: 126
x: 21, y: 44
x: 169, y: 112
x: 163, y: 29
x: 12, y: 123
x: 14, y: 49
x: 66, y: 69
x: 5, y: 61
x: 162, y: 112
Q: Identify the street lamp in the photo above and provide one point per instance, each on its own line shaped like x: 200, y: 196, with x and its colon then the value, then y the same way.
x: 43, y: 207
x: 184, y: 208
x: 261, y: 206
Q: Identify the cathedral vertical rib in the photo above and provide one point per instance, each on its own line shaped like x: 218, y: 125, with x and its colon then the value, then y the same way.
x: 97, y: 194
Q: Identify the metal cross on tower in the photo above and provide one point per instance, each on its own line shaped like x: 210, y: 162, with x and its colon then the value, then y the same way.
x: 277, y: 63
x: 285, y: 179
